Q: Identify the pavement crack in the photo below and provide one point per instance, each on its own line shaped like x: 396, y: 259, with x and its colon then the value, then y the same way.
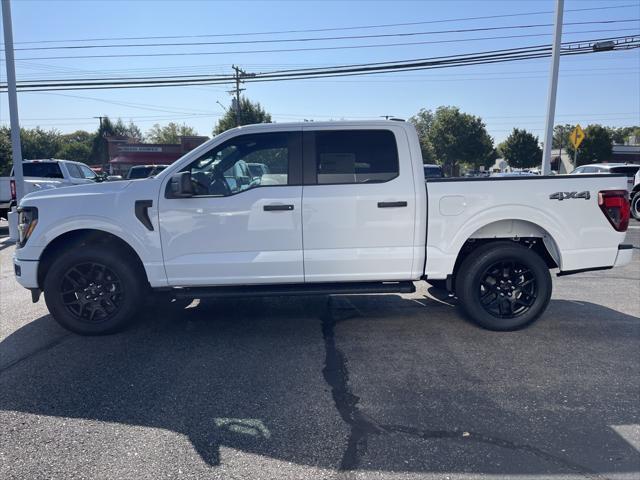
x: 336, y: 374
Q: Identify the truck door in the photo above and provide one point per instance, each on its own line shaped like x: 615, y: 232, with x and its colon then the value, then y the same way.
x: 358, y: 205
x: 237, y: 229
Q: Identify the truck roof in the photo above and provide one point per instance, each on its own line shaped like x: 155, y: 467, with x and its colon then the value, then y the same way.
x: 331, y: 123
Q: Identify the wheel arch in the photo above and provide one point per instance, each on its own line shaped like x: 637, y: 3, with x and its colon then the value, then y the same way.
x: 86, y: 236
x: 523, y: 232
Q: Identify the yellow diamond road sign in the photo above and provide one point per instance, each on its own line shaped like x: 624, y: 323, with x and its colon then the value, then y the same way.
x: 576, y: 136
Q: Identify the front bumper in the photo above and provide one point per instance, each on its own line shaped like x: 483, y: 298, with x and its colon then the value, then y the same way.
x: 26, y: 272
x: 625, y: 252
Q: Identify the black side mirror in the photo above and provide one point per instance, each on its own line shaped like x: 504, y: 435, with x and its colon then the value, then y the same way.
x: 181, y: 185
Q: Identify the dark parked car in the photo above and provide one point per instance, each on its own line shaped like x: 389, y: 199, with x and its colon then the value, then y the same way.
x: 144, y: 171
x: 432, y: 171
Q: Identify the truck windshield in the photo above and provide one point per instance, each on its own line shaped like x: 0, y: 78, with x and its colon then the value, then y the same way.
x: 140, y: 172
x: 42, y: 170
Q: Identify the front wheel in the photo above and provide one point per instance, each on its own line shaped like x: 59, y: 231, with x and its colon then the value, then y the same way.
x: 635, y: 206
x: 93, y: 291
x: 503, y: 286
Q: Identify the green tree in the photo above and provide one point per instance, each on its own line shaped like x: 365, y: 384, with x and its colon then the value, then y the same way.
x: 99, y: 147
x: 78, y: 152
x: 458, y: 138
x: 597, y: 145
x: 620, y: 135
x: 35, y: 142
x: 170, y: 133
x: 521, y: 149
x: 131, y: 130
x: 561, y: 135
x: 76, y: 146
x: 423, y: 120
x: 250, y: 113
x: 39, y: 143
x: 5, y: 150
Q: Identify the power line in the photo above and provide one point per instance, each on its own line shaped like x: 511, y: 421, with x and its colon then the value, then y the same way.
x: 106, y: 73
x: 477, y: 58
x: 195, y: 75
x: 298, y: 49
x: 334, y: 29
x: 319, y: 39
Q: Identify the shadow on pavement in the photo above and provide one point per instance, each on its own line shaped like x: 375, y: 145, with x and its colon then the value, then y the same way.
x: 272, y: 377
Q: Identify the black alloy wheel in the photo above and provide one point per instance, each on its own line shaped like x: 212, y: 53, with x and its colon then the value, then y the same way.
x: 508, y: 289
x: 95, y: 289
x: 503, y: 285
x: 91, y: 292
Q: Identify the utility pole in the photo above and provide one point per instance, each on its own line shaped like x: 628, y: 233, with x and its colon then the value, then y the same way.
x: 238, y: 75
x: 13, y: 100
x: 553, y: 88
x: 104, y: 165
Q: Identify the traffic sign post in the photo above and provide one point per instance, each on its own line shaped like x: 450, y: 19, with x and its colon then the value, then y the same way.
x: 576, y: 137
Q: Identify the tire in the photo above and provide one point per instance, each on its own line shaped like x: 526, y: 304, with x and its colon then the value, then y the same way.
x: 503, y: 286
x: 94, y: 290
x: 635, y: 206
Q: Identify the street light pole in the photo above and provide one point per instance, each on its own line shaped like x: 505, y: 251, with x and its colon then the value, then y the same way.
x: 553, y: 88
x: 13, y: 100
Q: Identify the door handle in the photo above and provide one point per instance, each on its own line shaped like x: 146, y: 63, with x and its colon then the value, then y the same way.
x: 275, y: 208
x: 391, y: 204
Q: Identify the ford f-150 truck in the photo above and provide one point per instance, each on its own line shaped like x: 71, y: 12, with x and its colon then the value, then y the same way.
x: 345, y: 210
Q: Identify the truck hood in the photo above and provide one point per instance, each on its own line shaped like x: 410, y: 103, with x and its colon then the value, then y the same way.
x: 79, y: 191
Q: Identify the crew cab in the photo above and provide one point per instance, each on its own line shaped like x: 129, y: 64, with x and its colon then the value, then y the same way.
x: 345, y: 209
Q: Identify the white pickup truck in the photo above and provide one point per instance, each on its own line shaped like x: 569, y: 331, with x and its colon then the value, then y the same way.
x: 345, y: 210
x: 43, y: 174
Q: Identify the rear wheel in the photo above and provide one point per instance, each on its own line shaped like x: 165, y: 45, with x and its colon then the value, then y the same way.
x: 503, y: 286
x: 93, y: 291
x: 635, y: 206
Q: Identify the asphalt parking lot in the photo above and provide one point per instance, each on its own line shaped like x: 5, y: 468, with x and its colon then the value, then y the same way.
x: 356, y: 387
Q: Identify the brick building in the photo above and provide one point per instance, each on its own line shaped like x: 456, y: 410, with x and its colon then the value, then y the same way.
x: 123, y: 155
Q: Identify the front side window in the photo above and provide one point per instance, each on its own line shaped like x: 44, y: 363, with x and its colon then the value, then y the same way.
x: 356, y: 156
x: 225, y: 169
x: 87, y: 172
x: 74, y: 170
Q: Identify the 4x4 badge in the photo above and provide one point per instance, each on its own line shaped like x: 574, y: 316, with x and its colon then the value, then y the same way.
x: 568, y: 195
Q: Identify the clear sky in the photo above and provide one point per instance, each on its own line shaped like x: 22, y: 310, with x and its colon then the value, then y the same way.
x: 596, y: 88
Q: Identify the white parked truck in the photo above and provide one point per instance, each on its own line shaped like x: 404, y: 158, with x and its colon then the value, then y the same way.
x: 346, y: 210
x: 43, y: 174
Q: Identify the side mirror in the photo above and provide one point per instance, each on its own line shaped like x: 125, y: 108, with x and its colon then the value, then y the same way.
x: 181, y: 185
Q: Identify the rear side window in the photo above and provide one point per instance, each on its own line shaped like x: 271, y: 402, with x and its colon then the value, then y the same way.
x: 42, y: 170
x: 356, y: 156
x: 629, y: 171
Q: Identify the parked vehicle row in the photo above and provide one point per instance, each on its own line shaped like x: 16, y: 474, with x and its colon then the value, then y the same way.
x: 343, y: 209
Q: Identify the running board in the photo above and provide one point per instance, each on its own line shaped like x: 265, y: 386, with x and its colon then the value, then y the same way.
x: 348, y: 288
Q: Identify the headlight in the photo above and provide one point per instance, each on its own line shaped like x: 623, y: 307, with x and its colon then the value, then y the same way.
x: 27, y: 221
